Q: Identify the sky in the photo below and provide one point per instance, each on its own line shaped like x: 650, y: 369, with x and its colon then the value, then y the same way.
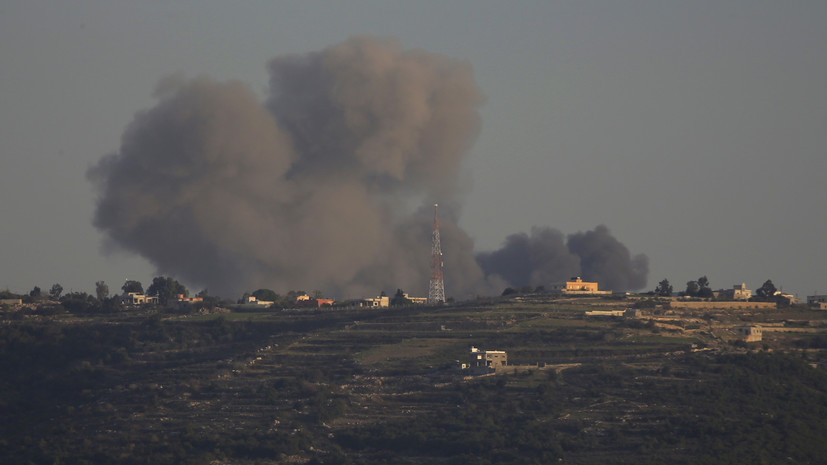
x: 694, y: 131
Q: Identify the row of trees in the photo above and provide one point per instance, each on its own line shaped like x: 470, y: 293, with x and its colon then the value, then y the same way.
x: 269, y: 295
x: 700, y: 288
x: 165, y: 288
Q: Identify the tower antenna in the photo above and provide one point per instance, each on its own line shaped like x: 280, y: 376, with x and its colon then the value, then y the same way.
x: 436, y: 288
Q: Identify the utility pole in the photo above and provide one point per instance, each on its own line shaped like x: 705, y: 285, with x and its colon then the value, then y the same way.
x: 436, y: 288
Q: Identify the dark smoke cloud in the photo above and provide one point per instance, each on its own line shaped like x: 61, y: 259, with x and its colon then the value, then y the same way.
x: 543, y: 257
x: 312, y: 189
x: 605, y: 260
x: 536, y: 259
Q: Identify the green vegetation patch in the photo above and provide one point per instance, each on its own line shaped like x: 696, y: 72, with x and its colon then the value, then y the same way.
x: 657, y: 339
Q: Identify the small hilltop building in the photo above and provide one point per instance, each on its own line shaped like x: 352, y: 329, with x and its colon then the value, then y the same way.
x: 415, y: 300
x: 318, y: 303
x: 738, y: 292
x: 576, y: 286
x: 189, y: 300
x: 251, y: 303
x: 138, y: 298
x: 487, y: 359
x: 749, y: 333
x: 817, y: 301
x: 381, y: 301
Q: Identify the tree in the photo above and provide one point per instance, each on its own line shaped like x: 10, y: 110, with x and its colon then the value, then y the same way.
x: 664, y: 289
x: 692, y: 288
x: 55, y: 291
x: 704, y: 290
x: 400, y: 299
x: 267, y: 295
x: 80, y: 303
x: 111, y: 305
x: 132, y: 286
x: 767, y: 290
x: 209, y: 302
x: 7, y: 294
x: 705, y: 293
x: 101, y: 290
x: 166, y: 289
x: 35, y: 292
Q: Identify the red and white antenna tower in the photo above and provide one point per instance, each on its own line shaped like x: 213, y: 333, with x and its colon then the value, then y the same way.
x: 436, y: 289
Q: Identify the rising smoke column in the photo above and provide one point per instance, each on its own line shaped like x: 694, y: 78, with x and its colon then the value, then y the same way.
x: 328, y: 184
x: 193, y: 187
x: 307, y: 191
x: 543, y: 257
x: 537, y: 259
x: 605, y: 260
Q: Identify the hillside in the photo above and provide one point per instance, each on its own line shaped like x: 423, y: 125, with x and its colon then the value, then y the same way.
x: 381, y: 386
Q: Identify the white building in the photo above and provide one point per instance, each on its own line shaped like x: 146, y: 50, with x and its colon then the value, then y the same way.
x: 749, y: 333
x: 738, y: 292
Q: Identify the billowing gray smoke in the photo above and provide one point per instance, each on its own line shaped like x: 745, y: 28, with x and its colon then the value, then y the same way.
x: 312, y: 189
x: 543, y: 258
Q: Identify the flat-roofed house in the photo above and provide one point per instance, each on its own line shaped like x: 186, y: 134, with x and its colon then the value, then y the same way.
x: 492, y: 359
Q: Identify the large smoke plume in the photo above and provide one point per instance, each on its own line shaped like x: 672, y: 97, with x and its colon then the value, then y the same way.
x: 318, y: 187
x: 544, y: 257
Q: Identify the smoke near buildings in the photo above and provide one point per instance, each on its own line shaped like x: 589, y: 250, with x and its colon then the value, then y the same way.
x: 319, y: 186
x: 546, y: 256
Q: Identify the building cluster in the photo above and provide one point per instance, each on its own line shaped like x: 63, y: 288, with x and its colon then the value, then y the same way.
x: 138, y: 298
x: 738, y: 292
x: 383, y: 301
x: 817, y: 301
x: 574, y: 287
x: 484, y: 361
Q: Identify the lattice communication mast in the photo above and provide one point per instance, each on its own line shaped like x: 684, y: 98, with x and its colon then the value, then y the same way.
x: 436, y: 289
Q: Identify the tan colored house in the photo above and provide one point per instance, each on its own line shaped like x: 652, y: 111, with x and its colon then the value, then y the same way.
x: 738, y: 292
x: 382, y: 301
x: 491, y: 359
x: 749, y: 333
x: 137, y: 298
x: 415, y: 300
x: 576, y: 286
x: 251, y: 300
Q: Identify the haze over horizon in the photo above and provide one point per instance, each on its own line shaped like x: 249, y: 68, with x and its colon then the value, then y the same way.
x: 694, y: 132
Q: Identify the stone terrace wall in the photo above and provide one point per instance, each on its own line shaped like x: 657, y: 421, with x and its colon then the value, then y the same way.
x: 722, y: 304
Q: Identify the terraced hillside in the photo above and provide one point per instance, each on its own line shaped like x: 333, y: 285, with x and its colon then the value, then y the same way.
x: 382, y: 386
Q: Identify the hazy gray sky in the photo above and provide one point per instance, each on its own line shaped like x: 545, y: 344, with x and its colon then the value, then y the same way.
x: 694, y: 130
